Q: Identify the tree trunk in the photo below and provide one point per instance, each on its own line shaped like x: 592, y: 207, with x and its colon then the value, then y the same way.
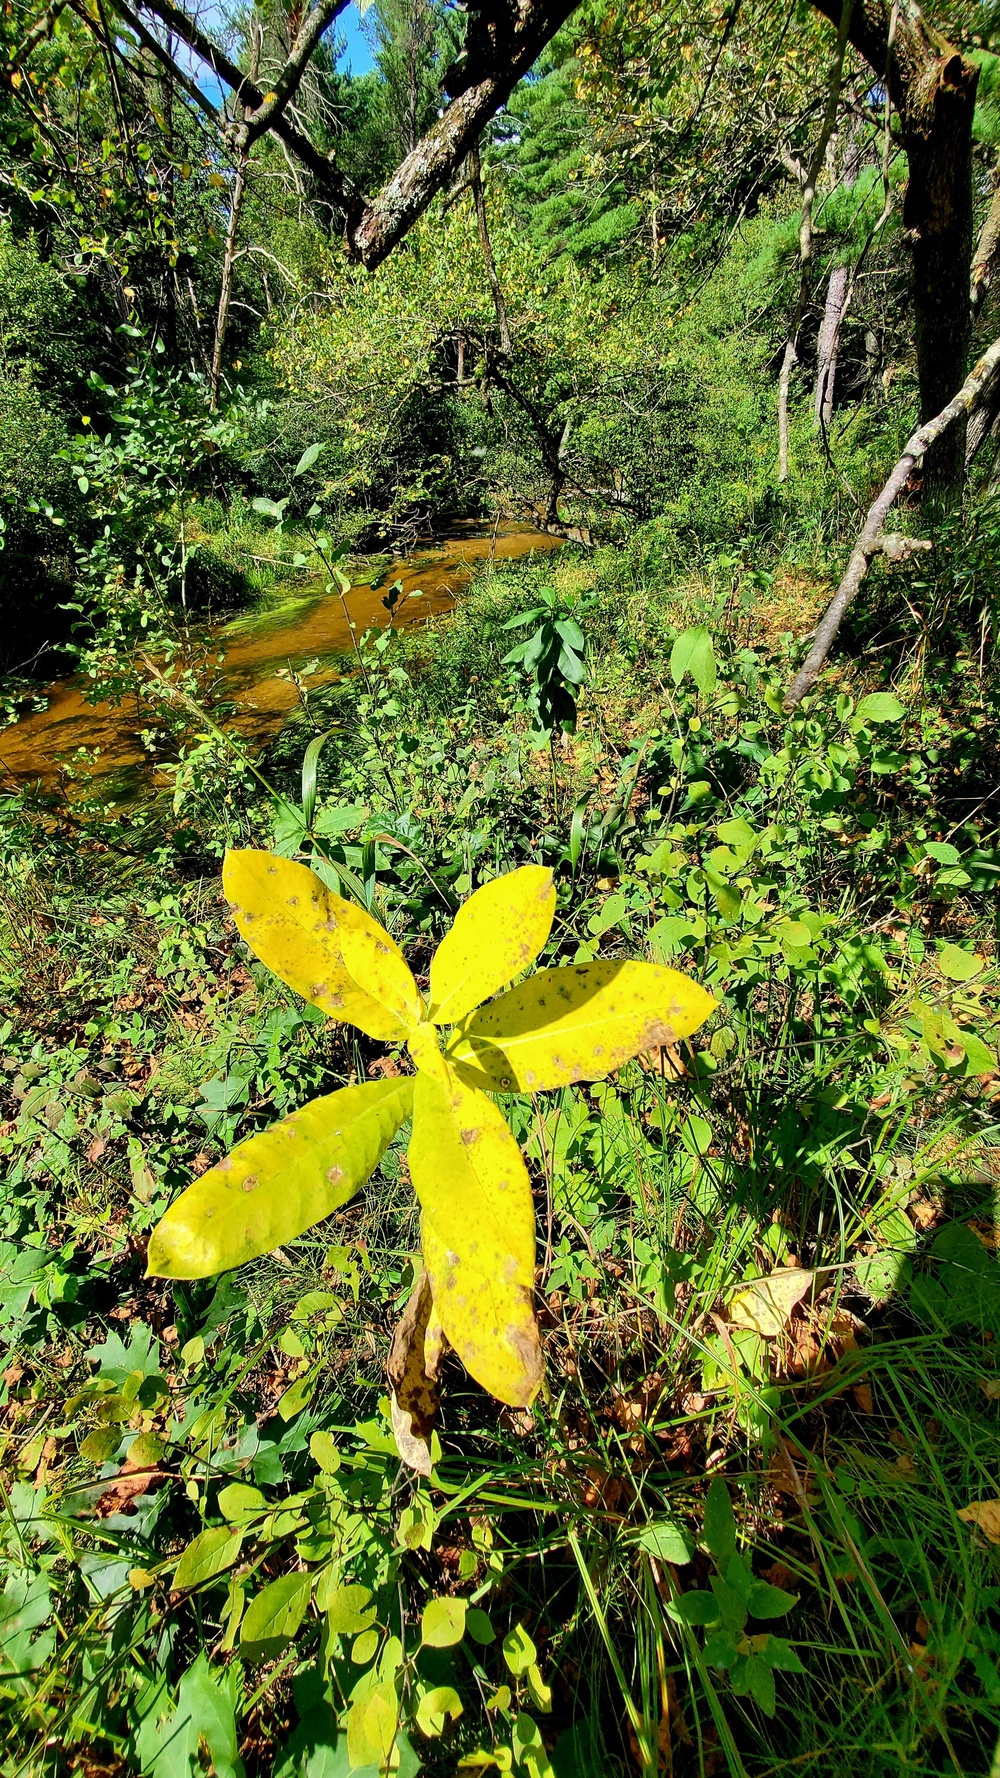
x: 933, y: 89
x: 829, y: 337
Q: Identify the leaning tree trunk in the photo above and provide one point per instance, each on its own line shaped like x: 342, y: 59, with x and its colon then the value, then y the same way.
x: 933, y: 89
x: 829, y: 336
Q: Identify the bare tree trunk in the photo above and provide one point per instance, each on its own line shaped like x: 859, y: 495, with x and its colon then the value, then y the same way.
x: 987, y: 253
x: 933, y: 89
x: 834, y: 85
x: 486, y: 247
x: 829, y: 338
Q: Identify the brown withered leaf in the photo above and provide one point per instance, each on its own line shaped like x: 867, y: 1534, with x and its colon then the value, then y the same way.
x: 132, y: 1481
x: 985, y: 1514
x: 417, y: 1348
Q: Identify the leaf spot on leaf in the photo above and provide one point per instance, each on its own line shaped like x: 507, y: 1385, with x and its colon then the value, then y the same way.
x: 470, y: 1136
x: 251, y: 1180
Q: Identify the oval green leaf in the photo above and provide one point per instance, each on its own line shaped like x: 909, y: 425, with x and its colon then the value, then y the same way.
x: 274, y: 1186
x: 273, y: 1617
x: 207, y: 1555
x: 443, y: 1622
x: 576, y: 1023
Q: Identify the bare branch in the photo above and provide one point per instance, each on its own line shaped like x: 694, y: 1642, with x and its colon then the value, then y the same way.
x: 872, y: 541
x: 287, y: 84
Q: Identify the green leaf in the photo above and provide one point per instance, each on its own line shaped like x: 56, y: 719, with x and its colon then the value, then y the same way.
x: 666, y: 1539
x: 496, y: 934
x: 767, y: 1601
x: 519, y: 1651
x: 100, y: 1446
x: 696, y: 1608
x: 478, y: 1235
x: 959, y: 965
x: 298, y: 1395
x: 274, y: 1186
x: 731, y: 1609
x: 727, y: 899
x: 758, y: 1680
x: 693, y: 653
x: 238, y: 1503
x: 347, y: 1608
x: 780, y: 1654
x: 442, y: 1624
x: 479, y: 1627
x: 307, y: 459
x: 211, y: 1701
x: 436, y: 1708
x: 577, y: 1023
x: 207, y: 1555
x: 979, y: 1058
x: 719, y: 1529
x: 324, y: 1452
x: 879, y: 706
x: 274, y: 1615
x: 371, y: 1726
x: 721, y: 1649
x: 364, y: 1648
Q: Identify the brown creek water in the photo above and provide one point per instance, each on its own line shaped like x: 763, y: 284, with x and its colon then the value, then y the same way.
x: 259, y: 655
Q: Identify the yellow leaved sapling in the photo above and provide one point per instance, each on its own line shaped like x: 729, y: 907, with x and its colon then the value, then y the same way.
x: 555, y: 1027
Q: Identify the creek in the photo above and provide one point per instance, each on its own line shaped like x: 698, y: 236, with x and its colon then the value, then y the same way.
x: 259, y: 658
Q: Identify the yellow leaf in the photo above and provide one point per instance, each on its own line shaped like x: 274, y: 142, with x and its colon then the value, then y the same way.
x: 425, y: 1053
x: 479, y: 1235
x: 497, y: 933
x: 985, y: 1514
x: 766, y: 1305
x: 576, y: 1023
x: 273, y: 1186
x: 371, y: 1726
x: 295, y: 925
x: 375, y: 960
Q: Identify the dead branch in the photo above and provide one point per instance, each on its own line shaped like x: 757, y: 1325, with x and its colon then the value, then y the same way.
x: 872, y: 540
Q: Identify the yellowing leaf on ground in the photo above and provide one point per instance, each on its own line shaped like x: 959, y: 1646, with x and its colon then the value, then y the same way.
x: 295, y: 925
x: 479, y: 1235
x: 274, y: 1186
x: 497, y: 933
x: 576, y: 1023
x: 766, y: 1305
x: 985, y: 1514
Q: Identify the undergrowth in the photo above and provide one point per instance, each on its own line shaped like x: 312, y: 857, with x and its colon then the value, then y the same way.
x: 830, y: 876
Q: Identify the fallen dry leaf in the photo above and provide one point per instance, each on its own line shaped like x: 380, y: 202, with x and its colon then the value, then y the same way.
x: 132, y: 1481
x: 412, y: 1367
x: 766, y: 1305
x: 990, y: 1387
x: 985, y: 1514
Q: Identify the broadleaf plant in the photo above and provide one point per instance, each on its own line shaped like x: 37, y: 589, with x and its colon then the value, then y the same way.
x: 559, y: 1026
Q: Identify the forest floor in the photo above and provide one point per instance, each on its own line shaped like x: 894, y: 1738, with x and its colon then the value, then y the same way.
x: 751, y: 1526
